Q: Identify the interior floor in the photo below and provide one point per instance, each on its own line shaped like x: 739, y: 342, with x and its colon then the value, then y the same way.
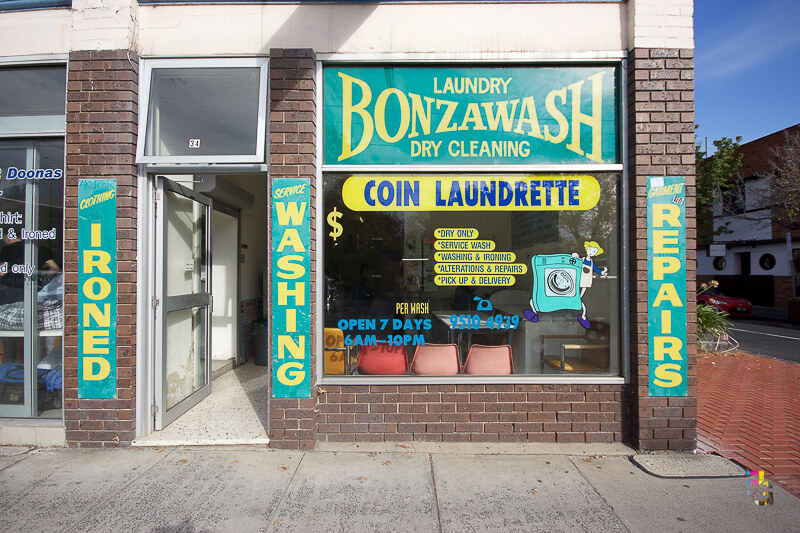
x: 234, y: 413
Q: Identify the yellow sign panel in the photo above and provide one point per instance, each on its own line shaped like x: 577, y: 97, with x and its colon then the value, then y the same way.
x: 470, y: 193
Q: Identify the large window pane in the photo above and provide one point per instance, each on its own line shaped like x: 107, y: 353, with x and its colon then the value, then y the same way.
x: 203, y: 111
x: 31, y: 283
x: 33, y: 99
x: 548, y: 291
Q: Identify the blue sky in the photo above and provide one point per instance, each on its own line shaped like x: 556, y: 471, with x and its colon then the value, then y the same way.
x: 747, y: 67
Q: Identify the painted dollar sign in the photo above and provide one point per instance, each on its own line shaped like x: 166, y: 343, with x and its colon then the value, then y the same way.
x: 333, y: 220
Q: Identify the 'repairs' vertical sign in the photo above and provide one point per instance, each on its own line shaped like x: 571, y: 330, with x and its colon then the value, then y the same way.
x: 97, y: 288
x: 666, y: 285
x: 291, y: 288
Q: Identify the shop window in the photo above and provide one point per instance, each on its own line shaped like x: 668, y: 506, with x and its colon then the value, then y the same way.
x: 33, y: 100
x: 31, y: 281
x: 204, y: 111
x: 507, y: 290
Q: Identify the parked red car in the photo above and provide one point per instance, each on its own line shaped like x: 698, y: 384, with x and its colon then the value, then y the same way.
x: 731, y: 305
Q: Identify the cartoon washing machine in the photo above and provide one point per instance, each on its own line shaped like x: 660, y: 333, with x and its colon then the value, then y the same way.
x: 556, y: 282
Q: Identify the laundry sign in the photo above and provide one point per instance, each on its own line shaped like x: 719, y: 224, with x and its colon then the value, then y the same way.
x: 291, y: 288
x: 97, y: 288
x: 666, y: 286
x: 432, y: 115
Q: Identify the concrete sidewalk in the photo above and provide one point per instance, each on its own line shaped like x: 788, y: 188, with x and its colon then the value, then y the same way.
x: 582, y: 488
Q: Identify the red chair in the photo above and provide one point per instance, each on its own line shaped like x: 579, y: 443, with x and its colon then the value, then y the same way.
x: 382, y: 360
x: 489, y: 360
x: 436, y: 360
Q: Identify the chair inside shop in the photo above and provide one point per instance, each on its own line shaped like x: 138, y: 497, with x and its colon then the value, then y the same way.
x: 436, y: 360
x: 337, y: 357
x: 489, y: 360
x: 386, y: 360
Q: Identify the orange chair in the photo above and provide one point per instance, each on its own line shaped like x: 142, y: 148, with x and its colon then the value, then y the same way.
x: 489, y: 360
x: 436, y: 360
x: 337, y: 356
x: 383, y: 359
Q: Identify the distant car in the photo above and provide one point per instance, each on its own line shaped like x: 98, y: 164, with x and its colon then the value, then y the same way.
x: 731, y: 305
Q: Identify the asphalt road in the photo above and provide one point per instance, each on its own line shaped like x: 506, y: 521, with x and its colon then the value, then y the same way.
x: 767, y: 338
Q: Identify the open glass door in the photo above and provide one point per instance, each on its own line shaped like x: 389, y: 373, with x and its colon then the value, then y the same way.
x: 183, y: 365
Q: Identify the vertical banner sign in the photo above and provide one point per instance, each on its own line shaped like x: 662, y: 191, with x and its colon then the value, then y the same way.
x: 97, y: 288
x: 291, y: 288
x: 666, y: 285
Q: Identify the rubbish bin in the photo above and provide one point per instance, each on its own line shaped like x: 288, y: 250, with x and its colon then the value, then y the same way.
x: 261, y: 342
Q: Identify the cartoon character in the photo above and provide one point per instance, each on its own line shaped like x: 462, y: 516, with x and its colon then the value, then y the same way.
x: 588, y: 269
x: 561, y: 280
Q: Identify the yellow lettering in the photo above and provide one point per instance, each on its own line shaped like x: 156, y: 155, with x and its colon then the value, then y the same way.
x: 662, y: 238
x: 291, y: 237
x: 532, y: 120
x: 665, y: 265
x: 667, y: 293
x: 669, y: 346
x: 288, y: 269
x: 594, y: 120
x: 669, y: 213
x: 555, y: 112
x: 296, y: 349
x: 444, y: 124
x: 502, y: 114
x: 96, y: 258
x: 94, y: 341
x: 347, y: 116
x: 299, y: 293
x: 88, y: 288
x: 290, y: 214
x: 291, y: 377
x: 668, y: 375
x: 101, y: 319
x: 88, y: 368
x: 472, y: 115
x: 95, y: 234
x: 418, y: 114
x: 380, y: 115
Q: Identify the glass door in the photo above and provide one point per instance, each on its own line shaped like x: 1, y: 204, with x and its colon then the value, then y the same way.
x: 183, y: 366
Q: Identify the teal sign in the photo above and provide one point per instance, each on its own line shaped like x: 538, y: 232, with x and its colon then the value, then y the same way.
x: 291, y: 288
x: 470, y: 115
x: 666, y: 285
x: 97, y: 288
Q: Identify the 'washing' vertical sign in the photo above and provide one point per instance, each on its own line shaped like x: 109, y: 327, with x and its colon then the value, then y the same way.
x: 97, y: 288
x: 666, y: 285
x: 291, y: 288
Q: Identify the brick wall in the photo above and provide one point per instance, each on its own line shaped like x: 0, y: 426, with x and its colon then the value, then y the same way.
x: 292, y: 149
x: 102, y: 96
x: 661, y: 130
x: 472, y: 413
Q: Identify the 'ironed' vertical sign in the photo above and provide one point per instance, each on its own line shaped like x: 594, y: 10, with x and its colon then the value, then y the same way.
x: 666, y: 285
x: 291, y: 288
x: 97, y: 288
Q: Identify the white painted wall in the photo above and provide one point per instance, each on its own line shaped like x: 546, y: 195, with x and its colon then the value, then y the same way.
x: 254, y: 233
x: 705, y: 265
x: 44, y: 32
x: 225, y: 256
x: 660, y: 24
x: 382, y: 28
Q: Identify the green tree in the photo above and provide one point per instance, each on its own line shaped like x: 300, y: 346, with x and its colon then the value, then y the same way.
x: 717, y: 177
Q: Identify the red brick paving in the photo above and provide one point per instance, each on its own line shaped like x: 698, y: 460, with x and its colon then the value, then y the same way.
x: 748, y: 410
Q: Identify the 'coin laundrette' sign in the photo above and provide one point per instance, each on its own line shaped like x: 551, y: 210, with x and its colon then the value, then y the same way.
x: 470, y: 115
